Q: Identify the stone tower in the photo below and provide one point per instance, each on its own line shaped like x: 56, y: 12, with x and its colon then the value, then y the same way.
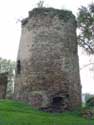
x: 47, y: 73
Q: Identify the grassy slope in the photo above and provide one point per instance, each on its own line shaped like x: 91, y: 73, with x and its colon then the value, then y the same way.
x: 16, y: 113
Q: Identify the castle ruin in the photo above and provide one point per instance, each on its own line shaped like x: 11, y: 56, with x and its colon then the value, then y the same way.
x: 47, y: 73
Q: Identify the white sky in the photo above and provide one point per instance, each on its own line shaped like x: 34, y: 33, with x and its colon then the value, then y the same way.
x: 10, y: 29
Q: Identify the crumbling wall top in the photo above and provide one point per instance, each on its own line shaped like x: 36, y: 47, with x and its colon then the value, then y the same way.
x: 62, y: 14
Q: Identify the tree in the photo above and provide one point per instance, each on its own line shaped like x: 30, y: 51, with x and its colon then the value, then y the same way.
x: 9, y: 67
x: 85, y: 21
x: 88, y: 96
x: 90, y: 102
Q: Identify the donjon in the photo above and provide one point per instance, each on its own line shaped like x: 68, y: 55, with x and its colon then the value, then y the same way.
x: 47, y: 73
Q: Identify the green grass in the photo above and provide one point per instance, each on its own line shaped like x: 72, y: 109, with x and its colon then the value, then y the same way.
x: 16, y: 113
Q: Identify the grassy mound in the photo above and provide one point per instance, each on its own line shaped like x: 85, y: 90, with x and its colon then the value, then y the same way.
x: 17, y: 113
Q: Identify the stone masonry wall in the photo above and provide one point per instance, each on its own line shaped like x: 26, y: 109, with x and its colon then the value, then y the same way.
x: 47, y: 63
x: 3, y: 85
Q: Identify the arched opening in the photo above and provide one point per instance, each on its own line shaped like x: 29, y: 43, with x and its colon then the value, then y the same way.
x: 57, y: 101
x: 57, y: 104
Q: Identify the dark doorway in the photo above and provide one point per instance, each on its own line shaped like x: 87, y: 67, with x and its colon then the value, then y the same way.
x: 57, y: 104
x: 57, y: 101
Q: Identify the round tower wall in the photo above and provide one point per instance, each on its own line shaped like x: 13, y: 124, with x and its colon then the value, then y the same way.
x: 49, y: 65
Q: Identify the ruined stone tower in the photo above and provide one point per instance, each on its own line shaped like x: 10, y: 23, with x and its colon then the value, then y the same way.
x: 47, y: 73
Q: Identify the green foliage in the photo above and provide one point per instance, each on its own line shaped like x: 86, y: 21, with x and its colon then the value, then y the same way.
x: 6, y: 66
x: 86, y: 25
x: 17, y: 113
x: 9, y: 67
x: 90, y: 102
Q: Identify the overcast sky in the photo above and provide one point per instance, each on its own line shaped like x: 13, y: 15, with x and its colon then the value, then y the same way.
x: 12, y: 11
